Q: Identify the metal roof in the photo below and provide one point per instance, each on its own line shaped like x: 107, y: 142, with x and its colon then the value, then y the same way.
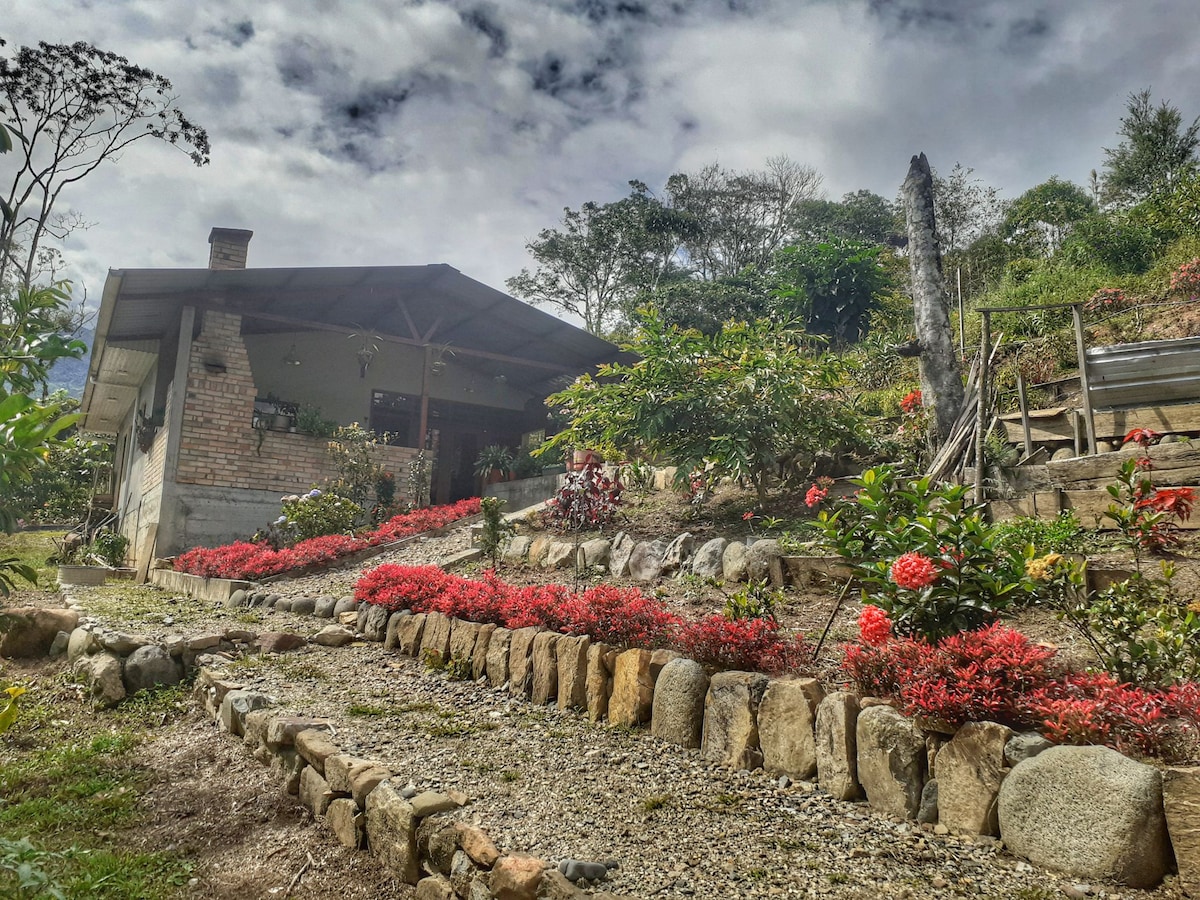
x: 432, y: 304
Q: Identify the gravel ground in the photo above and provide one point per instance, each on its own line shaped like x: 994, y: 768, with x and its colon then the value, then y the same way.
x: 548, y: 783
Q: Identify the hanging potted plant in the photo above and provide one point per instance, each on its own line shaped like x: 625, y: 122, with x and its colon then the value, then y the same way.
x: 494, y: 463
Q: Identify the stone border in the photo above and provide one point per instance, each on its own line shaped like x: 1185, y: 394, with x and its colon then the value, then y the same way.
x: 1087, y: 811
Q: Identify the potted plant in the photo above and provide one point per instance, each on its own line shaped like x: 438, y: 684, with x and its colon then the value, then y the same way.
x: 494, y: 463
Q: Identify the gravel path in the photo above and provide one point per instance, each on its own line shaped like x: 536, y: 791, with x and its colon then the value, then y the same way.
x: 548, y: 783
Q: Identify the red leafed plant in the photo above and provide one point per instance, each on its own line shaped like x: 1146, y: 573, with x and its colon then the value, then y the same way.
x: 588, y: 499
x: 254, y: 560
x: 755, y: 645
x: 618, y: 616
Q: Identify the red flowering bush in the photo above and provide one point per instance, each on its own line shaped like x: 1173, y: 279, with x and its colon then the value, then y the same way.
x: 914, y: 571
x: 818, y: 492
x: 1186, y: 279
x: 255, y: 560
x: 1106, y: 299
x: 911, y: 404
x: 996, y: 674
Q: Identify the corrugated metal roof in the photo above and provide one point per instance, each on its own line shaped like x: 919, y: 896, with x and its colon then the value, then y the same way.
x: 433, y: 304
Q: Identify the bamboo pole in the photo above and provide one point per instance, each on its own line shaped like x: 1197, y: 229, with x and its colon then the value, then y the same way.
x: 1023, y: 400
x: 985, y: 348
x: 1084, y: 382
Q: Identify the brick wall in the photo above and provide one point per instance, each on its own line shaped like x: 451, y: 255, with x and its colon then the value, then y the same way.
x: 219, y: 448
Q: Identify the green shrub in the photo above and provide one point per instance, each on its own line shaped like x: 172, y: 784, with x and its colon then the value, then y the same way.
x: 1062, y: 534
x: 757, y: 600
x: 316, y: 513
x: 111, y: 547
x: 924, y: 553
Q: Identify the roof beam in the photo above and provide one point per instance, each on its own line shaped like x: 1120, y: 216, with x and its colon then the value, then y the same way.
x: 396, y: 339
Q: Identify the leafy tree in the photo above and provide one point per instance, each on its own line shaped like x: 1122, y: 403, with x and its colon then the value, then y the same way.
x: 965, y: 208
x: 858, y: 216
x: 831, y: 286
x: 29, y: 429
x: 595, y: 265
x: 1118, y: 241
x: 70, y: 108
x: 1156, y: 153
x: 707, y: 305
x: 739, y: 219
x: 733, y: 404
x: 1040, y: 219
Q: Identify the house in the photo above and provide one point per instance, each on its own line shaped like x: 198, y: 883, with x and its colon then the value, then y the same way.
x: 198, y: 376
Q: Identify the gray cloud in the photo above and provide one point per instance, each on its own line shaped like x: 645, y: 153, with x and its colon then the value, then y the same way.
x: 452, y: 130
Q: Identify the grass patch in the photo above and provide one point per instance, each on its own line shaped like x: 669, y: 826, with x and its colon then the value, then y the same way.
x: 290, y: 667
x: 656, y: 802
x: 508, y: 776
x: 138, y: 604
x: 68, y: 789
x: 33, y: 548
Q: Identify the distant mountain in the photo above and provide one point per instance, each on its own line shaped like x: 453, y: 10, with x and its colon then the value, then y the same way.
x: 71, y: 374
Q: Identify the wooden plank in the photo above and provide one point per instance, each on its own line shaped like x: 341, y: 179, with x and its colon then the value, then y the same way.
x: 1181, y: 418
x: 1089, y: 508
x: 1084, y: 382
x: 1039, y: 431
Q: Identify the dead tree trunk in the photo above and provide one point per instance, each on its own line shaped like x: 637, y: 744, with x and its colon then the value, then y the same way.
x: 941, y: 376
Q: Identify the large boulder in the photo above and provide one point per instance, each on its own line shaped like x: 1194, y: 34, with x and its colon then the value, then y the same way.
x: 409, y: 632
x: 102, y: 673
x: 28, y: 633
x: 706, y: 563
x: 678, y: 552
x: 593, y: 554
x: 374, y: 620
x: 969, y: 771
x: 520, y: 661
x: 545, y: 667
x: 891, y: 761
x: 646, y: 561
x: 559, y: 555
x: 785, y: 727
x: 435, y: 641
x: 837, y: 745
x: 1088, y: 811
x: 731, y: 719
x: 517, y: 549
x: 463, y: 636
x: 622, y: 552
x: 632, y: 689
x: 479, y: 654
x: 236, y: 706
x: 599, y: 681
x: 733, y: 562
x: 392, y: 831
x: 572, y: 671
x: 763, y: 562
x: 678, y: 708
x: 150, y: 667
x: 1181, y: 803
x: 82, y: 643
x: 497, y: 657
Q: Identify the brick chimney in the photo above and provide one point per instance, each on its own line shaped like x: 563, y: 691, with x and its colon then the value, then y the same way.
x: 227, y: 248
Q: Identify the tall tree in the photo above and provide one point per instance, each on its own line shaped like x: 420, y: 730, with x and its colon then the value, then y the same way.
x: 965, y: 207
x: 601, y: 257
x: 1041, y: 218
x: 1156, y: 153
x: 858, y: 216
x: 71, y: 107
x: 941, y: 379
x: 831, y: 286
x: 739, y: 219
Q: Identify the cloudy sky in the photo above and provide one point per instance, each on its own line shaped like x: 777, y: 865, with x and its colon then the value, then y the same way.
x: 376, y: 132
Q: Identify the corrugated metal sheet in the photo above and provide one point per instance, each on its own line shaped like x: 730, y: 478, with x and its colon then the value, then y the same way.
x: 1128, y: 375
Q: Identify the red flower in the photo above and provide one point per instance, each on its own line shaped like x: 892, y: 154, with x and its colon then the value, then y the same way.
x: 748, y: 515
x: 816, y: 494
x: 914, y: 571
x: 874, y: 626
x: 911, y: 402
